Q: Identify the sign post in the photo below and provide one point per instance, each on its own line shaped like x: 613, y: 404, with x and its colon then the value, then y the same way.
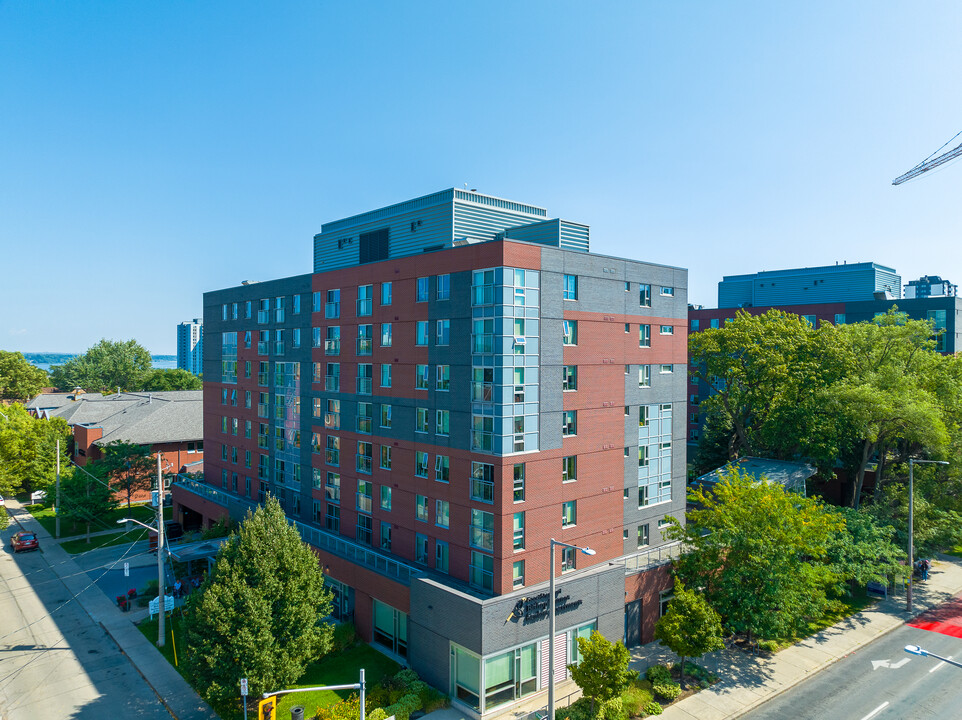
x: 244, y: 695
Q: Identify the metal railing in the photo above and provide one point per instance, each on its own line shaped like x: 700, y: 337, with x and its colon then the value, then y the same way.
x: 647, y: 559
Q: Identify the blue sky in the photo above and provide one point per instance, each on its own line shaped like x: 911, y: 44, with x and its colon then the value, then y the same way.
x: 152, y: 151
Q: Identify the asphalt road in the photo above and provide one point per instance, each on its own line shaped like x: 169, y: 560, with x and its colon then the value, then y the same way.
x: 879, y: 682
x: 55, y: 662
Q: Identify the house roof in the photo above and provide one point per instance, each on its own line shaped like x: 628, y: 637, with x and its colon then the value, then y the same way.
x: 142, y: 418
x: 49, y: 401
x: 790, y: 475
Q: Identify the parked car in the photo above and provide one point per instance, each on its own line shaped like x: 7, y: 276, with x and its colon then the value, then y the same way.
x: 24, y: 540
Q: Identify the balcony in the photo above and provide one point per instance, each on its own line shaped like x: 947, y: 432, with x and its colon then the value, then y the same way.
x: 332, y: 347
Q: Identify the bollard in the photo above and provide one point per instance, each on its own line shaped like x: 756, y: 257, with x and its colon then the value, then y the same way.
x: 297, y: 712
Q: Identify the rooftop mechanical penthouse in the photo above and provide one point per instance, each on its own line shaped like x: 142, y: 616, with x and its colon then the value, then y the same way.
x: 459, y: 381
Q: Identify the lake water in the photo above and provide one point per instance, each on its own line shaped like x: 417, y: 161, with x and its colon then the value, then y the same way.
x: 45, y: 360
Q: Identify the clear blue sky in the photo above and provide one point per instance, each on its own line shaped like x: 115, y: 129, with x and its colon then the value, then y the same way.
x: 150, y: 151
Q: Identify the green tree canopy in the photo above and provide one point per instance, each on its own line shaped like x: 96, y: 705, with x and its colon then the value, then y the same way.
x: 171, y: 379
x: 690, y: 628
x: 106, y: 366
x: 602, y: 673
x: 28, y: 450
x: 260, y: 613
x: 758, y: 553
x: 19, y: 380
x: 126, y: 467
x: 84, y: 498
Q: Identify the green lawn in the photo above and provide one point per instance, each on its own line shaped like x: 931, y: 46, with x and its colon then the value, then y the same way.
x: 81, y: 545
x: 957, y: 551
x: 337, y: 669
x: 69, y: 528
x: 171, y: 641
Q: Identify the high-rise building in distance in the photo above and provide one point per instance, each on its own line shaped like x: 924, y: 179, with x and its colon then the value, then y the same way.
x: 190, y: 346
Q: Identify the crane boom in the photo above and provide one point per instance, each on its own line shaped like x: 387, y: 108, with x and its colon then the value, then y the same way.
x: 928, y: 165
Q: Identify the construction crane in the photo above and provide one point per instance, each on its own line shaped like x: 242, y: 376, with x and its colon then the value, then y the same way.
x: 931, y: 162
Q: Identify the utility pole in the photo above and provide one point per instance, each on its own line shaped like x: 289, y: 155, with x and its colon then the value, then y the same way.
x: 57, y: 516
x: 160, y: 554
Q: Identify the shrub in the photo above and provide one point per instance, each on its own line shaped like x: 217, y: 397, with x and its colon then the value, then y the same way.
x: 406, y: 676
x: 652, y: 708
x: 668, y: 690
x: 634, y: 700
x: 345, y: 635
x: 580, y: 709
x: 403, y: 708
x: 376, y: 714
x: 613, y: 709
x: 658, y: 674
x: 434, y: 700
x: 768, y: 645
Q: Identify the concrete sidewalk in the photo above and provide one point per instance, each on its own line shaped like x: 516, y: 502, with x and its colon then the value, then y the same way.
x: 174, y: 692
x: 748, y: 681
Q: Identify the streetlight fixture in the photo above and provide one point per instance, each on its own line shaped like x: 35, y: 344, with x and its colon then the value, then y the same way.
x: 551, y: 618
x: 908, y: 588
x: 916, y: 650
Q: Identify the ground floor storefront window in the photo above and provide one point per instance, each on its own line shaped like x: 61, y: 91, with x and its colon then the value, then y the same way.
x: 391, y: 628
x: 505, y: 677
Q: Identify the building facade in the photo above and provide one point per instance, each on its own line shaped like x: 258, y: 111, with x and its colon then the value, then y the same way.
x: 190, y: 346
x: 430, y: 412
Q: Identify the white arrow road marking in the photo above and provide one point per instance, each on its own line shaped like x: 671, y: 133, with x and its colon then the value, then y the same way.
x: 876, y: 711
x: 876, y: 664
x: 939, y: 665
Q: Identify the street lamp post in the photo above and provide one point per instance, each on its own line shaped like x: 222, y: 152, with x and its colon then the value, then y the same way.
x: 916, y: 650
x: 908, y: 588
x: 551, y: 618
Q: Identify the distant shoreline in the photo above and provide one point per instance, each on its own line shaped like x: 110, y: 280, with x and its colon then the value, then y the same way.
x: 45, y: 360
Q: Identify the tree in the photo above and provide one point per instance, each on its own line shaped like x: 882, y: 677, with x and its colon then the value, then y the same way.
x: 603, y: 672
x: 260, y: 613
x: 690, y: 628
x: 19, y: 380
x: 865, y: 551
x: 28, y: 450
x: 106, y: 366
x: 758, y: 553
x: 84, y: 498
x: 127, y: 467
x: 171, y: 379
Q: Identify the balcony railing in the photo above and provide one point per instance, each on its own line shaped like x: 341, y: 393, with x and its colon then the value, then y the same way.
x: 647, y: 559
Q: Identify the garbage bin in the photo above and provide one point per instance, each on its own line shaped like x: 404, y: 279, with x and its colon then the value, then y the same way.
x: 297, y: 712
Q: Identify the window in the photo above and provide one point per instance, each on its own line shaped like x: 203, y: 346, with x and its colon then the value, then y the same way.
x: 642, y: 456
x: 444, y: 287
x: 482, y: 432
x: 332, y: 418
x: 421, y: 421
x: 365, y: 300
x: 386, y: 375
x: 644, y: 295
x: 332, y: 308
x: 247, y: 315
x: 365, y: 417
x: 519, y: 482
x: 569, y: 377
x: 421, y: 508
x: 482, y: 336
x: 567, y: 559
x: 643, y: 536
x: 517, y: 541
x: 387, y: 335
x: 332, y: 344
x: 441, y: 556
x: 364, y: 458
x: 315, y: 302
x: 421, y: 549
x: 386, y: 293
x: 667, y: 330
x: 279, y: 309
x: 570, y: 332
x: 569, y: 423
x: 442, y: 513
x: 517, y: 574
x: 481, y: 571
x: 665, y: 369
x: 644, y: 336
x: 421, y: 463
x: 332, y: 487
x: 482, y: 530
x: 442, y: 422
x: 332, y: 452
x: 385, y: 457
x: 423, y: 289
x: 422, y: 333
x: 810, y: 319
x: 385, y: 416
x: 644, y: 376
x: 386, y: 536
x: 482, y: 482
x: 442, y: 468
x: 296, y: 336
x: 518, y: 374
x: 569, y: 468
x: 365, y: 339
x: 332, y: 380
x: 443, y: 379
x: 444, y: 332
x: 365, y: 492
x: 421, y: 377
x: 694, y: 325
x: 569, y: 513
x: 332, y: 518
x: 643, y: 411
x: 365, y: 372
x: 570, y: 287
x: 315, y: 478
x: 714, y: 323
x: 364, y: 529
x: 386, y: 498
x: 669, y: 291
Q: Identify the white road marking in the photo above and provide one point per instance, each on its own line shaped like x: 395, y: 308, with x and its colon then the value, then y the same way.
x: 876, y: 664
x: 876, y: 711
x: 939, y: 665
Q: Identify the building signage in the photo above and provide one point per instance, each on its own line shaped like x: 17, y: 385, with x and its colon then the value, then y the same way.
x: 535, y: 608
x: 344, y: 242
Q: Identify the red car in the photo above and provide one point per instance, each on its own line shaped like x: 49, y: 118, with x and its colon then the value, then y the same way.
x: 24, y: 541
